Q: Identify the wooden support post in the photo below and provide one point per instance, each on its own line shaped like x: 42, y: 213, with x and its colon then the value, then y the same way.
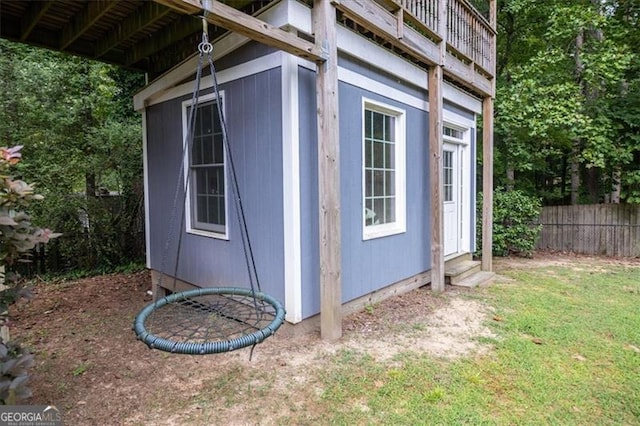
x: 324, y: 26
x: 435, y: 156
x: 487, y: 154
x: 435, y: 177
x: 487, y: 184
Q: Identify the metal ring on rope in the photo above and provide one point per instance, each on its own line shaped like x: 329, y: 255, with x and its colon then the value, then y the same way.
x: 205, y: 47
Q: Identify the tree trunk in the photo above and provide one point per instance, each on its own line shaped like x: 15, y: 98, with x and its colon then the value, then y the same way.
x: 511, y: 178
x: 90, y: 184
x: 615, y: 187
x: 577, y: 143
x: 575, y: 172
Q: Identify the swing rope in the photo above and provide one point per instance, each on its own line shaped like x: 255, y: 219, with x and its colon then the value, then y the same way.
x: 213, y: 319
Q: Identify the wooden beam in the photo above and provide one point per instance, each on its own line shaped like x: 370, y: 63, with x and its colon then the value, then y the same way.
x: 227, y: 17
x: 324, y: 28
x: 436, y: 106
x: 383, y: 23
x: 435, y: 178
x: 35, y: 11
x: 183, y: 27
x: 146, y: 15
x: 80, y: 23
x: 487, y: 184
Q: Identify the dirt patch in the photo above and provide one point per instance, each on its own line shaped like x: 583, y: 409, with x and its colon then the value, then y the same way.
x: 542, y: 259
x: 91, y: 366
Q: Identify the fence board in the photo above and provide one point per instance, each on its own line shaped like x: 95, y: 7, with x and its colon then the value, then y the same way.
x: 606, y: 229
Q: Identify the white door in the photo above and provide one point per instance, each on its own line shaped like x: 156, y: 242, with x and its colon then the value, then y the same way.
x: 451, y: 196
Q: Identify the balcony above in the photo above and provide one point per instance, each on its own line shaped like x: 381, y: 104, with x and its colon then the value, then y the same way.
x: 451, y: 33
x: 153, y: 36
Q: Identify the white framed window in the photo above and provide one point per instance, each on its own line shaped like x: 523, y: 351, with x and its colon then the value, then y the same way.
x: 383, y: 170
x: 205, y: 169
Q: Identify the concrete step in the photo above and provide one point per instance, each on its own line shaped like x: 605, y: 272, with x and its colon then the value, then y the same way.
x: 482, y: 279
x: 460, y: 270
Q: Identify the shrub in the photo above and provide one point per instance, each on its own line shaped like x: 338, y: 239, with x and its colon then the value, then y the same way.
x: 514, y: 222
x: 18, y: 237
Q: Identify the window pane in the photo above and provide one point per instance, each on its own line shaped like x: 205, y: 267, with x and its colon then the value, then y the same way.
x: 201, y: 206
x: 389, y: 128
x: 369, y: 214
x: 196, y: 151
x: 368, y: 131
x: 207, y: 150
x: 218, y: 149
x: 378, y: 183
x: 205, y: 116
x: 198, y: 123
x: 378, y: 125
x: 214, y: 210
x: 368, y: 183
x: 389, y: 156
x: 390, y: 183
x: 217, y: 127
x: 389, y: 210
x: 219, y: 180
x: 368, y: 153
x: 201, y: 181
x: 378, y: 155
x: 378, y: 209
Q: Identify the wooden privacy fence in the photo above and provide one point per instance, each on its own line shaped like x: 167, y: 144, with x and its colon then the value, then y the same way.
x: 605, y: 229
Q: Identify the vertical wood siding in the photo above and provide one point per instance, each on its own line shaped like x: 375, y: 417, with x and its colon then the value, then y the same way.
x: 254, y: 117
x: 373, y: 264
x: 603, y: 229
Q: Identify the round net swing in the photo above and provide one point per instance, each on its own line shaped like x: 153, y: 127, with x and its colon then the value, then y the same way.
x: 212, y: 319
x: 209, y: 320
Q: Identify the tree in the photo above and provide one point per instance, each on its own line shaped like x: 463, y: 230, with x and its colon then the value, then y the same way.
x: 564, y: 67
x: 82, y: 141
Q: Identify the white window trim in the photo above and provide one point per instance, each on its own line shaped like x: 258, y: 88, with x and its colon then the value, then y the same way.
x: 187, y: 169
x: 400, y: 225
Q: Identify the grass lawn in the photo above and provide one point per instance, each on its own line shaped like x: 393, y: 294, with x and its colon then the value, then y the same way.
x: 567, y: 351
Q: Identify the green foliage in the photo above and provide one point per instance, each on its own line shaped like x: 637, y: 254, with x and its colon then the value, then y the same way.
x: 82, y: 140
x: 15, y: 362
x: 17, y: 238
x: 561, y: 102
x: 514, y: 222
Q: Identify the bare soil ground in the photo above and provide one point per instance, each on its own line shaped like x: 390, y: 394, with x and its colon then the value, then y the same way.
x: 89, y: 363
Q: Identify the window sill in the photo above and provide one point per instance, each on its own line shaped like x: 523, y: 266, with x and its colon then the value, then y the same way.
x: 208, y: 234
x: 381, y: 231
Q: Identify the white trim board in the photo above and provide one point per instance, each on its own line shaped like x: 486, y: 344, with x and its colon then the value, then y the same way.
x: 145, y: 174
x: 291, y: 190
x: 255, y: 66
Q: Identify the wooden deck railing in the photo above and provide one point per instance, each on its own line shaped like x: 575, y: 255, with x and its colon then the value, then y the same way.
x: 469, y: 35
x: 419, y: 27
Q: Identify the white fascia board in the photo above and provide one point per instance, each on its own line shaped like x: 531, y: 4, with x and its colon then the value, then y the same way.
x: 277, y: 16
x: 461, y: 98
